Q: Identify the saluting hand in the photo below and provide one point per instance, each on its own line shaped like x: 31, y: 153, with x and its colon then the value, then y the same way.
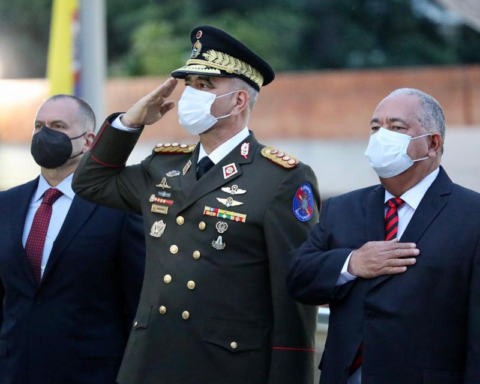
x: 377, y: 258
x: 151, y: 108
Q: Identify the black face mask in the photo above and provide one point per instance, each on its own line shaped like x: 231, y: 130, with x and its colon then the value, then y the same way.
x: 51, y: 148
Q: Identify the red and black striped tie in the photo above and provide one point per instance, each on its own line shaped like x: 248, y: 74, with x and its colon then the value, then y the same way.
x: 391, y: 218
x: 391, y: 230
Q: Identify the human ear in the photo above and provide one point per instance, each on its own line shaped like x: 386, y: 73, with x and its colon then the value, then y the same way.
x: 241, y: 102
x: 89, y: 137
x: 435, y: 146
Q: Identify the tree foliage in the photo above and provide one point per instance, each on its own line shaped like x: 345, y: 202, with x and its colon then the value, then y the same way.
x: 151, y: 37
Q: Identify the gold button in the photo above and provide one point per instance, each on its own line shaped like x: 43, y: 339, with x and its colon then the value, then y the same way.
x: 167, y: 279
x: 202, y: 225
x: 162, y: 310
x: 185, y: 315
x: 191, y: 285
x: 174, y: 249
x: 135, y: 324
x: 180, y: 220
x: 196, y: 255
x: 233, y: 345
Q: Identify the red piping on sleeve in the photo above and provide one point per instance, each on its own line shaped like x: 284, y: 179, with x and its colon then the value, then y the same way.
x: 98, y: 136
x: 294, y: 349
x: 105, y: 164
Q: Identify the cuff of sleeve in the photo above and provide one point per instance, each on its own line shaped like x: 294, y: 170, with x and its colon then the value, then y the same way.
x: 345, y: 277
x: 117, y: 123
x: 113, y: 146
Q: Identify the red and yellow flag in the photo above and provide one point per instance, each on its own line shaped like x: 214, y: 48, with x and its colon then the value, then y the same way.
x: 63, y: 68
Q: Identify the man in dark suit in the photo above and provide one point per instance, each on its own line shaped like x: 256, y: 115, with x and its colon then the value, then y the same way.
x: 70, y: 271
x: 399, y: 263
x: 219, y: 217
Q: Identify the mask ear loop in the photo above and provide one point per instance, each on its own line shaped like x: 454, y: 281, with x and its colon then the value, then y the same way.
x: 218, y: 97
x: 419, y: 137
x: 73, y: 138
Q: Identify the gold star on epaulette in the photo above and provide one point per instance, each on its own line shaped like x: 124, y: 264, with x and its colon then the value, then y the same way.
x: 174, y: 148
x: 280, y: 158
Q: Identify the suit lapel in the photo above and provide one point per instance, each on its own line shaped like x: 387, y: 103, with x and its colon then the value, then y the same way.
x: 189, y: 179
x: 77, y: 215
x: 214, y: 178
x: 18, y: 216
x: 431, y: 205
x: 375, y: 215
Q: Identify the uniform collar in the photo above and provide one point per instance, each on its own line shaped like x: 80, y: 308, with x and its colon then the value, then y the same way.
x: 414, y: 195
x: 223, y: 150
x: 65, y: 187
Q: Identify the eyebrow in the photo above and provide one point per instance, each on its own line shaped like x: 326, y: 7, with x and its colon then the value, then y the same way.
x: 52, y: 122
x: 208, y: 79
x: 391, y: 120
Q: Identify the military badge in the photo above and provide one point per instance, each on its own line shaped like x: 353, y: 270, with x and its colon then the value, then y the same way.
x: 154, y: 199
x: 164, y: 194
x: 219, y: 244
x: 244, y: 150
x: 196, y: 50
x: 186, y: 167
x: 303, y: 205
x: 229, y: 170
x: 157, y: 229
x: 222, y: 214
x: 159, y: 209
x: 173, y: 173
x: 221, y: 227
x: 163, y: 184
x: 229, y: 202
x: 234, y: 190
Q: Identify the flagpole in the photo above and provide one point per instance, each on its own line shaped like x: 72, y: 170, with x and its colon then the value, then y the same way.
x: 93, y: 57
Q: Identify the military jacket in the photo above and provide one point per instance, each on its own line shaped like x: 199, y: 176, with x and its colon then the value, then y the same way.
x: 214, y: 308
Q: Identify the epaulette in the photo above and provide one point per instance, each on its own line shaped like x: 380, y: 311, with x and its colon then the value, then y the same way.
x: 174, y: 148
x: 280, y: 158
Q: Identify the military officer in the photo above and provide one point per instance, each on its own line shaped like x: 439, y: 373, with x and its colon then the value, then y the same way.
x: 220, y: 217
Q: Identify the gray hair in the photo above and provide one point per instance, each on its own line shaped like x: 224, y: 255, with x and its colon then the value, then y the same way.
x: 252, y: 92
x: 431, y: 116
x: 85, y: 110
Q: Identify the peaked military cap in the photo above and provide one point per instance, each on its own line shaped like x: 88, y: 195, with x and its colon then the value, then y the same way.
x: 216, y: 53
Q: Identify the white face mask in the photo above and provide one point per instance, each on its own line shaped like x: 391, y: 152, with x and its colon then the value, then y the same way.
x: 387, y: 152
x: 194, y: 110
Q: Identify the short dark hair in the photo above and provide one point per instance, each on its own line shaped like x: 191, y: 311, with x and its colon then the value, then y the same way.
x: 85, y: 110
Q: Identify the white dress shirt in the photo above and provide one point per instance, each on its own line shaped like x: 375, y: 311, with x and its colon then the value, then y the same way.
x: 59, y: 213
x: 216, y: 156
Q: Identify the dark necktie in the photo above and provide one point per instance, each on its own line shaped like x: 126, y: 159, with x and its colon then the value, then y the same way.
x: 204, y: 166
x: 391, y: 230
x: 38, y: 232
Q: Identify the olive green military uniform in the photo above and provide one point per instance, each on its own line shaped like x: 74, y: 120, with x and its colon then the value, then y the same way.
x: 212, y: 310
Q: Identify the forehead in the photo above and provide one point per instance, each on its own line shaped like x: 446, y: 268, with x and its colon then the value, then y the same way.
x: 211, y: 79
x: 62, y: 109
x: 401, y: 106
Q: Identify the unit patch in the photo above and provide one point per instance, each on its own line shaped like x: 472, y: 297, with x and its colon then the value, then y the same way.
x: 303, y: 204
x: 229, y: 170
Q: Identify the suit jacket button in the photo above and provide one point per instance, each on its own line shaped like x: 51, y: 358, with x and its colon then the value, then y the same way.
x: 185, y: 315
x: 196, y: 255
x: 174, y: 249
x: 135, y: 324
x: 162, y: 310
x: 233, y: 345
x: 167, y: 279
x: 180, y: 220
x: 191, y: 285
x: 202, y: 225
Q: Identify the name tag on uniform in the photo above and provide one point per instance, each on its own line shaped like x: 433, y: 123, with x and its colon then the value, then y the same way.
x: 159, y: 209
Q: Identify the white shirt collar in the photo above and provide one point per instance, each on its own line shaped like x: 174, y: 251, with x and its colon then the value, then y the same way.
x: 414, y: 195
x: 65, y: 187
x: 223, y: 150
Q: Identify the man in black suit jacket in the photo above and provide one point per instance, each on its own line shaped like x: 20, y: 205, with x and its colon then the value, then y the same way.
x: 67, y: 319
x: 403, y: 282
